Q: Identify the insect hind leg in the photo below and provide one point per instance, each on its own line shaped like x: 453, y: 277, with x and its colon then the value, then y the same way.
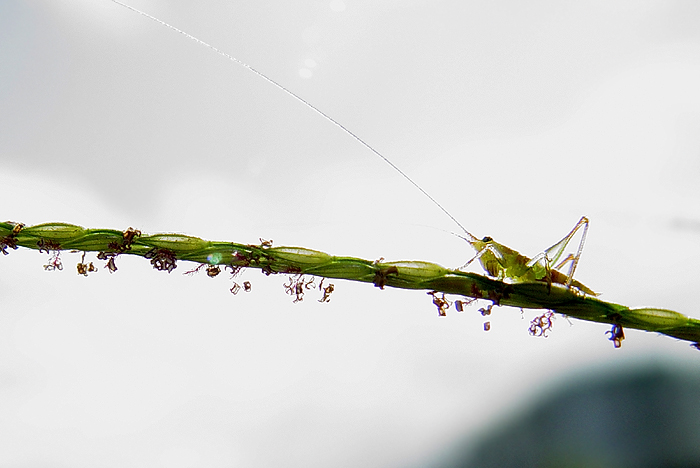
x: 554, y: 253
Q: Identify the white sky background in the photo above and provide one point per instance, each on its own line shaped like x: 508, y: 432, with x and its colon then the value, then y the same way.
x: 519, y: 119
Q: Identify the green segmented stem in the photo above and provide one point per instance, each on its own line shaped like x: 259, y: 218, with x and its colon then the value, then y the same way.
x: 165, y: 249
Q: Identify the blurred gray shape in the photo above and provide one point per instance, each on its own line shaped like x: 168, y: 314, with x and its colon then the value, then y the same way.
x: 644, y: 417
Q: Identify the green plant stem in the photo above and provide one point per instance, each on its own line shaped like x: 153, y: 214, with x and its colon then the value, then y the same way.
x: 165, y: 249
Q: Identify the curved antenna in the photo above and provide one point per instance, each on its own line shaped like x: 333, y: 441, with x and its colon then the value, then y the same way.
x: 301, y: 100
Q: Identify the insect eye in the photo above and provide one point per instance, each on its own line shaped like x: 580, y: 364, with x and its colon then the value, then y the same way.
x: 486, y: 239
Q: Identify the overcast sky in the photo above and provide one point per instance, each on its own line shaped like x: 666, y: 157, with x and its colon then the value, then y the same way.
x: 518, y: 117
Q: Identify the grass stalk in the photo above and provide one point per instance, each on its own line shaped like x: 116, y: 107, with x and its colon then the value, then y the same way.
x: 165, y: 250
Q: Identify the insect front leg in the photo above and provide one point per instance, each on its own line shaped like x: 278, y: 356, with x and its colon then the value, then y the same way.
x: 491, y: 256
x: 478, y: 255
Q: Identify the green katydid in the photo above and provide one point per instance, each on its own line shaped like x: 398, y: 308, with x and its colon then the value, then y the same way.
x: 496, y: 259
x: 503, y: 262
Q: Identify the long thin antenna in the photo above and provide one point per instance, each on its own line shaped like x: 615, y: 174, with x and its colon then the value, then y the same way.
x: 300, y: 99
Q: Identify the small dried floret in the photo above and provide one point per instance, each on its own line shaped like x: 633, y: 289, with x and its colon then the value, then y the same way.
x: 129, y: 236
x: 54, y: 262
x: 617, y: 334
x: 212, y: 270
x: 48, y: 245
x: 6, y: 242
x: 542, y: 324
x: 234, y: 270
x: 109, y: 256
x: 297, y: 286
x: 10, y: 241
x: 16, y: 228
x: 54, y: 250
x: 381, y: 276
x: 460, y: 305
x: 327, y: 291
x: 85, y: 268
x: 441, y: 303
x: 162, y: 259
x: 196, y: 270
